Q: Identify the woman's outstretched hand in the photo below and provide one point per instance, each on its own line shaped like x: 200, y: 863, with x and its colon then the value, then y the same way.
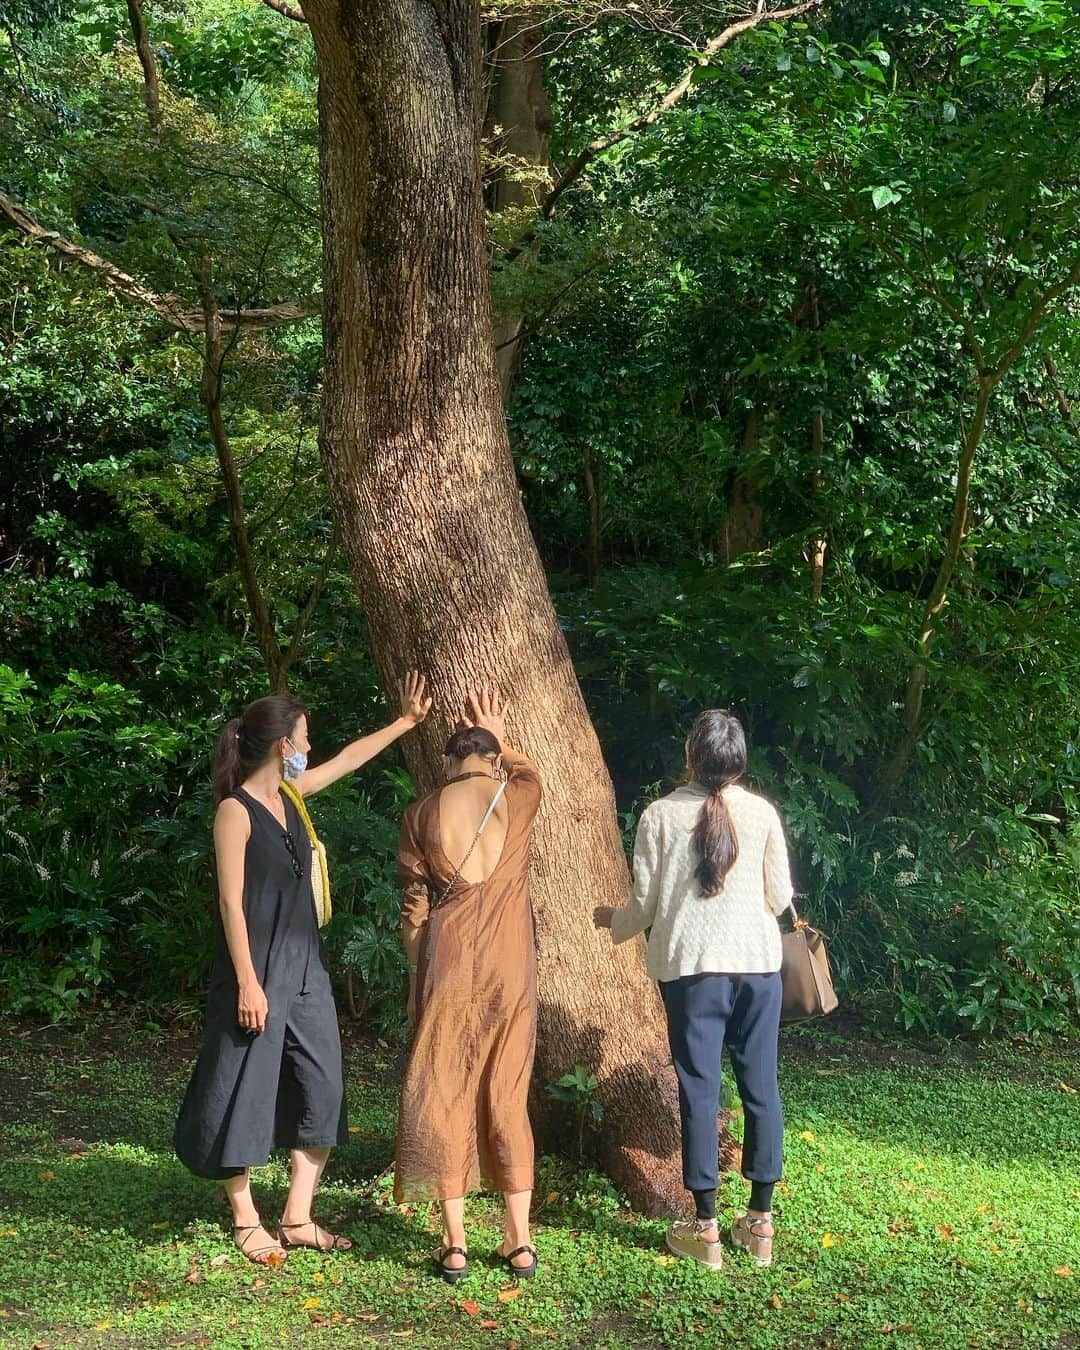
x: 415, y: 700
x: 487, y: 709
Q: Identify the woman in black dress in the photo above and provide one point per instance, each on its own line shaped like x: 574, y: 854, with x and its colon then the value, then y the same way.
x: 269, y: 1075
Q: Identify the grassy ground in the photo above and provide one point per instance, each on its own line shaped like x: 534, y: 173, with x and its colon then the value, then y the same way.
x: 931, y: 1199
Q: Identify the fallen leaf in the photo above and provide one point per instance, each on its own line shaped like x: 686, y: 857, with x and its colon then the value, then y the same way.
x: 920, y: 1167
x: 275, y: 1259
x: 310, y: 1303
x: 1063, y: 1272
x: 354, y: 1129
x: 47, y: 1175
x: 1070, y: 1090
x: 776, y: 1301
x: 368, y: 1317
x: 221, y: 1259
x: 103, y: 1325
x: 470, y: 1306
x: 808, y: 1136
x: 193, y: 1276
x: 827, y: 1240
x: 552, y: 1196
x: 945, y: 1232
x: 408, y: 1331
x: 664, y: 1260
x: 841, y: 1297
x: 159, y: 1227
x: 318, y: 1277
x: 508, y: 1295
x: 489, y: 1325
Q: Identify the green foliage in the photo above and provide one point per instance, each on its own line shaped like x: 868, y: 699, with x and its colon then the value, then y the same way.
x: 577, y: 1089
x: 837, y: 216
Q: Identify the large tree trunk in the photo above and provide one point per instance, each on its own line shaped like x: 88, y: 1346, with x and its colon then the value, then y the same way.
x: 422, y: 480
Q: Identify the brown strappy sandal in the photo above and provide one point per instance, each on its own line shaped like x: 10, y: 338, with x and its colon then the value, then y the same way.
x: 337, y: 1243
x: 745, y: 1233
x: 451, y: 1274
x: 260, y: 1256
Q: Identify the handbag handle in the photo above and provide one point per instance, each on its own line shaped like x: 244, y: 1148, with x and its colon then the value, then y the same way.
x: 476, y: 839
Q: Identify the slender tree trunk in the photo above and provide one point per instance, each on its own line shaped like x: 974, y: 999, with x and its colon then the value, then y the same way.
x: 916, y: 685
x: 422, y: 480
x: 517, y: 124
x: 210, y: 397
x: 151, y: 84
x: 818, y: 545
x: 1060, y: 396
x: 595, y: 505
x: 742, y: 530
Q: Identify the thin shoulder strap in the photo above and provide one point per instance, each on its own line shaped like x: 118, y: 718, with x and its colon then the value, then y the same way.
x: 476, y: 839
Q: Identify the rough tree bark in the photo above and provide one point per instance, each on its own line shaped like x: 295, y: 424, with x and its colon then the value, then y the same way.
x: 420, y: 472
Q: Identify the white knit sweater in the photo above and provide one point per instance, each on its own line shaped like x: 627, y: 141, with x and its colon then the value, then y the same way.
x: 734, y: 932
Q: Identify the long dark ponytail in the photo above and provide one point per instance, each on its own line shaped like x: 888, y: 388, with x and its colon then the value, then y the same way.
x: 245, y: 742
x: 716, y: 753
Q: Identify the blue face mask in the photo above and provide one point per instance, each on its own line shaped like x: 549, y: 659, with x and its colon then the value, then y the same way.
x: 294, y: 764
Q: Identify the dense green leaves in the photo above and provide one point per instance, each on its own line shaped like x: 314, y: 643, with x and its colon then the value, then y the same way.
x: 754, y: 328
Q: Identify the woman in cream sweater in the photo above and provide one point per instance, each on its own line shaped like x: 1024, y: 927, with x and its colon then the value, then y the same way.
x: 710, y: 879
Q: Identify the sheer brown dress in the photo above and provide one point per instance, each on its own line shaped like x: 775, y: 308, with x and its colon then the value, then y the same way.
x: 463, y: 1121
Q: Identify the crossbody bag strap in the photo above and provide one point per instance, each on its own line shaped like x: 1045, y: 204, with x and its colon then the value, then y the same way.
x: 476, y: 839
x: 301, y: 810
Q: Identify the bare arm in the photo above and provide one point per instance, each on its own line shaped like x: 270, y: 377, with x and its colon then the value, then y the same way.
x: 232, y: 829
x: 415, y: 706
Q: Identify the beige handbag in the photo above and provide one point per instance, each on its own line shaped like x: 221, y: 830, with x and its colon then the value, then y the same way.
x: 805, y: 974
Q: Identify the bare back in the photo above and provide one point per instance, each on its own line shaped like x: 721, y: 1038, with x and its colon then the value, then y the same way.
x: 462, y: 806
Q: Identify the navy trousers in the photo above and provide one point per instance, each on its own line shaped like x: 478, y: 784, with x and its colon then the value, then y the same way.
x: 705, y: 1013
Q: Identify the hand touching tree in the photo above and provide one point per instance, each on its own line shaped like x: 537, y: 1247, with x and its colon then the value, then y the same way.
x: 486, y: 708
x: 415, y: 700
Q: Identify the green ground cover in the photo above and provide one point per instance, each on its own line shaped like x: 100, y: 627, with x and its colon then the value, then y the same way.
x: 930, y: 1200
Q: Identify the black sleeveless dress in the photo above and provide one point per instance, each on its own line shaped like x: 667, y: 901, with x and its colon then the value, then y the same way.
x: 283, y: 1088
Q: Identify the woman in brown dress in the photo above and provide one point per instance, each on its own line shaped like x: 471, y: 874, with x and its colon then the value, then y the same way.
x: 467, y: 925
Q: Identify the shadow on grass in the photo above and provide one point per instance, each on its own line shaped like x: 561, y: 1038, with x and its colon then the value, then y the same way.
x: 153, y: 1199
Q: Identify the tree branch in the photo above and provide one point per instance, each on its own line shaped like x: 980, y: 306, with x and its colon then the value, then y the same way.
x: 304, y: 617
x: 169, y: 307
x: 673, y: 96
x: 916, y: 685
x: 1034, y: 318
x: 210, y: 397
x: 289, y: 11
x: 151, y: 84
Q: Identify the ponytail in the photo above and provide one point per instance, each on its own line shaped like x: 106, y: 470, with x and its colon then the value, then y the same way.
x: 228, y: 771
x: 246, y: 742
x: 716, y: 756
x: 715, y: 837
